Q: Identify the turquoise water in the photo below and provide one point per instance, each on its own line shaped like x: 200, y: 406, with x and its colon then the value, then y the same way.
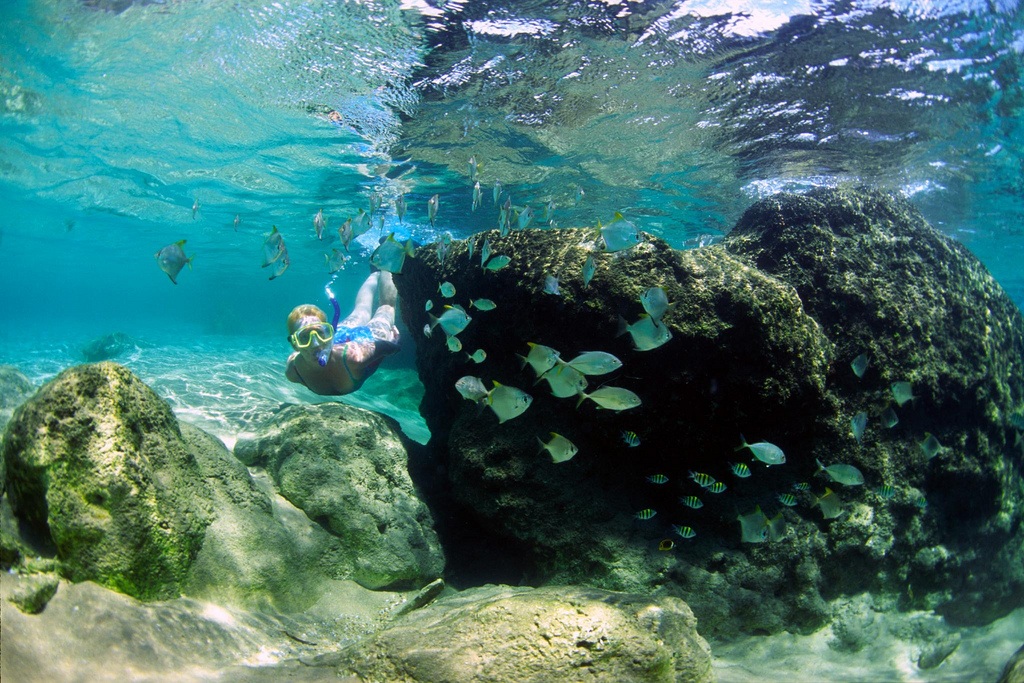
x: 116, y: 118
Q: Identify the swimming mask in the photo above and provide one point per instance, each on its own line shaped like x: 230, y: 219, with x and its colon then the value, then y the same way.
x: 319, y: 333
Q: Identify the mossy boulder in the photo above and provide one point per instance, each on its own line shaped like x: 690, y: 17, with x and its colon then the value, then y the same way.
x: 764, y: 327
x: 95, y: 462
x: 347, y: 469
x: 558, y: 633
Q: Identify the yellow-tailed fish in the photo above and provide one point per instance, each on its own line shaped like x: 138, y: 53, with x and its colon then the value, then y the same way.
x: 454, y: 345
x: 930, y: 446
x: 172, y: 259
x: 858, y: 423
x: 482, y: 304
x: 390, y: 254
x: 452, y: 321
x: 902, y: 392
x: 844, y: 474
x: 564, y: 381
x: 447, y: 289
x: 768, y: 453
x: 497, y: 263
x: 541, y: 358
x: 831, y: 506
x: 478, y: 356
x: 666, y: 544
x: 595, y: 363
x: 647, y: 333
x: 655, y: 302
x: 619, y: 234
x: 776, y: 527
x: 860, y: 365
x: 611, y: 398
x: 589, y: 268
x: 753, y: 526
x: 559, y: 447
x: 508, y: 402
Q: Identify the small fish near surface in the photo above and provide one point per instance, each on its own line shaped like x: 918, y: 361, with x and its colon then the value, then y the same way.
x: 172, y: 259
x: 844, y: 474
x: 619, y: 234
x: 390, y: 254
x: 319, y: 223
x: 280, y: 265
x: 611, y: 398
x: 508, y: 402
x: 400, y: 208
x: 432, y: 205
x: 559, y: 448
x: 273, y: 247
x: 768, y: 453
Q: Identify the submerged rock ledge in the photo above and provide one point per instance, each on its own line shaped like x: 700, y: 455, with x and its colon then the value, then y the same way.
x: 764, y: 328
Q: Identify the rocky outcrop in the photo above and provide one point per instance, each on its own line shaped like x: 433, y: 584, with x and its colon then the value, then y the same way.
x: 764, y: 329
x: 503, y: 634
x: 15, y: 388
x: 347, y: 469
x: 109, y: 347
x: 1014, y: 671
x: 95, y: 463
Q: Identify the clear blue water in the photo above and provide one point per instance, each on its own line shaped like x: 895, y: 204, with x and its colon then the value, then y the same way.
x: 117, y: 117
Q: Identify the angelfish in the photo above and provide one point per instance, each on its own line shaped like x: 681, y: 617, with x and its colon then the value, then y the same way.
x: 172, y: 259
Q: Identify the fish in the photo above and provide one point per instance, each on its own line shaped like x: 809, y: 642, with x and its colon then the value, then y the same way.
x: 630, y: 439
x: 930, y: 446
x: 595, y: 363
x: 801, y: 486
x: 564, y: 381
x: 541, y: 358
x: 655, y: 302
x: 787, y: 499
x: 776, y: 527
x: 857, y: 425
x: 281, y: 264
x: 666, y: 544
x: 361, y: 223
x: 454, y: 345
x: 684, y: 531
x: 237, y: 222
x: 657, y: 479
x: 507, y: 402
x: 646, y: 513
x: 647, y: 333
x: 753, y: 526
x: 478, y: 356
x: 319, y: 223
x: 740, y: 469
x: 559, y: 447
x: 717, y: 487
x: 195, y: 208
x: 692, y: 502
x: 427, y: 331
x: 889, y: 418
x: 611, y: 398
x: 172, y: 259
x: 524, y: 218
x: 273, y: 247
x: 919, y: 501
x: 886, y: 492
x: 704, y: 480
x: 831, y: 506
x: 579, y: 196
x: 844, y: 474
x: 1016, y: 420
x: 452, y: 321
x: 619, y: 234
x: 497, y: 263
x: 345, y: 234
x: 477, y: 196
x: 336, y: 260
x: 482, y: 304
x: 432, y: 208
x: 485, y: 251
x: 390, y: 254
x: 400, y: 207
x: 549, y: 210
x: 471, y: 388
x: 589, y: 268
x: 447, y: 289
x: 474, y: 168
x: 768, y: 453
x: 860, y: 365
x: 428, y: 306
x: 902, y: 392
x: 551, y: 285
x: 496, y: 192
x: 375, y: 202
x: 470, y: 246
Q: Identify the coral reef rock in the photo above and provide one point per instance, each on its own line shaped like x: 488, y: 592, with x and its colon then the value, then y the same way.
x: 499, y: 633
x: 347, y: 469
x: 764, y: 328
x: 95, y: 462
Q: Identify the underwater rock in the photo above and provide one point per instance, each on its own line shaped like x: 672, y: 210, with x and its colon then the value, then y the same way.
x: 15, y: 388
x: 763, y: 330
x: 1014, y: 671
x: 95, y: 463
x: 347, y: 469
x: 31, y: 592
x: 109, y: 347
x: 555, y: 633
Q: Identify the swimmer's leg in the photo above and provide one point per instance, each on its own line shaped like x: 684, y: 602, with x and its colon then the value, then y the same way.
x: 363, y: 306
x: 383, y: 322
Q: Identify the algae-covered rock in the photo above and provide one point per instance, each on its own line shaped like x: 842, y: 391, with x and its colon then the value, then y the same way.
x: 498, y: 633
x: 15, y: 388
x: 1014, y: 671
x: 763, y: 331
x: 31, y: 592
x: 109, y: 347
x: 347, y: 469
x: 95, y: 462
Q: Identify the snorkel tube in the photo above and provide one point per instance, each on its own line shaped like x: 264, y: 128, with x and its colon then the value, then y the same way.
x: 325, y: 353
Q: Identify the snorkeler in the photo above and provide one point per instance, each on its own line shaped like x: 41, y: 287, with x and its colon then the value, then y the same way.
x: 332, y: 359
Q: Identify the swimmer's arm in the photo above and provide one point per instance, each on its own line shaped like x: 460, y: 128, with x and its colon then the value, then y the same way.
x: 289, y: 372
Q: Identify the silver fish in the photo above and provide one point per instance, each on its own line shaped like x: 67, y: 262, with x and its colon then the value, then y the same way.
x: 768, y: 453
x: 541, y: 358
x: 589, y: 268
x: 477, y: 196
x: 497, y: 263
x: 559, y: 447
x: 619, y: 234
x: 564, y: 381
x: 595, y: 363
x: 612, y: 398
x: 471, y: 388
x: 319, y: 223
x: 647, y: 333
x: 508, y: 402
x: 171, y: 259
x: 281, y: 264
x: 273, y: 247
x: 336, y: 260
x: 655, y: 302
x: 453, y: 321
x: 400, y: 207
x: 551, y: 285
x: 390, y: 254
x: 432, y: 209
x: 858, y: 424
x: 844, y: 474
